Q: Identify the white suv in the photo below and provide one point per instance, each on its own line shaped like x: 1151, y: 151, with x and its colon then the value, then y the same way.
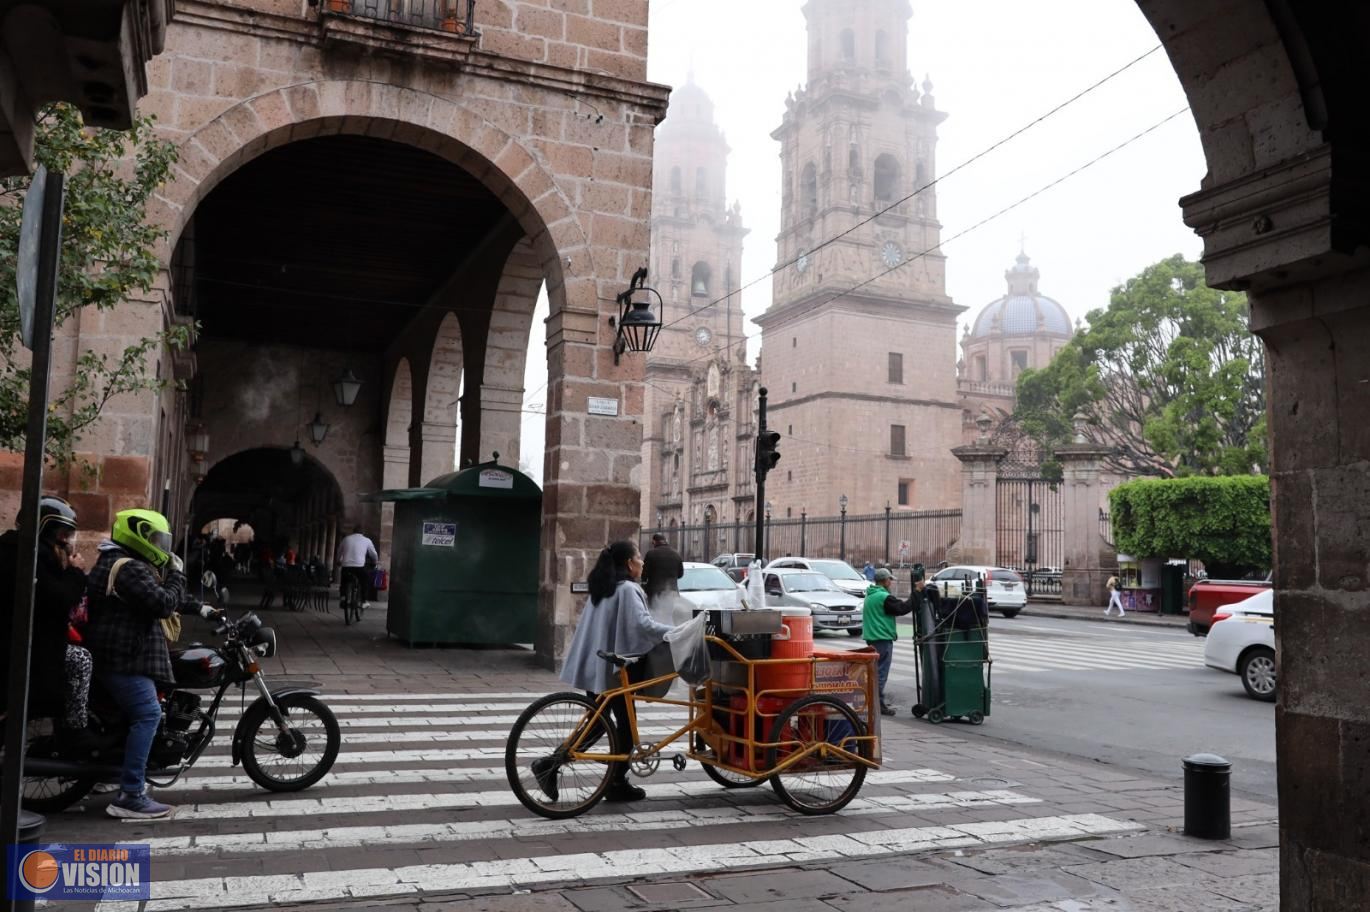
x: 1004, y: 589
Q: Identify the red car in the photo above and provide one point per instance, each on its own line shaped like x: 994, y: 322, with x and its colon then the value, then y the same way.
x: 1207, y: 596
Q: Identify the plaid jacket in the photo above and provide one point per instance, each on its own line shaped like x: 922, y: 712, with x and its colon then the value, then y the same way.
x: 123, y: 633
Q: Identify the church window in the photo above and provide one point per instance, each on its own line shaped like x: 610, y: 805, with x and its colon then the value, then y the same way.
x: 882, y: 49
x: 1020, y: 362
x: 896, y: 367
x: 809, y: 203
x: 794, y: 387
x: 886, y: 178
x: 701, y: 183
x: 896, y: 440
x: 789, y: 429
x: 848, y: 46
x: 699, y: 279
x: 675, y: 268
x: 794, y: 342
x: 905, y: 492
x: 921, y: 175
x: 675, y: 179
x: 981, y: 371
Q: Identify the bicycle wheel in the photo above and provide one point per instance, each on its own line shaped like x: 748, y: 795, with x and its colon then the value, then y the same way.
x: 730, y: 780
x: 820, y: 783
x: 540, y: 774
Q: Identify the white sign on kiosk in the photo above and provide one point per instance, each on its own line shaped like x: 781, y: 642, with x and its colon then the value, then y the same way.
x: 496, y: 478
x: 439, y: 535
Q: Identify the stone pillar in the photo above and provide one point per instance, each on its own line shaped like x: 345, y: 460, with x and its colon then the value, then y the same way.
x: 979, y: 541
x: 501, y: 423
x: 1086, y: 566
x: 394, y: 474
x: 437, y: 450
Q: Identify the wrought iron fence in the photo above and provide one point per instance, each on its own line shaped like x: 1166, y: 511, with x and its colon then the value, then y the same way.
x: 898, y: 538
x: 446, y: 15
x: 1106, y: 526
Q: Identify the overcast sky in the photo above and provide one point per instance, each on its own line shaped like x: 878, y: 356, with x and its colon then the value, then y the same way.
x: 995, y: 65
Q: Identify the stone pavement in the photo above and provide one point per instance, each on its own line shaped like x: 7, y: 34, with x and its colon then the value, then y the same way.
x: 1079, y: 613
x: 417, y: 815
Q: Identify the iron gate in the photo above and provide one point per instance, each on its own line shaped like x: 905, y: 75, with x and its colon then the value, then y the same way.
x: 1030, y: 536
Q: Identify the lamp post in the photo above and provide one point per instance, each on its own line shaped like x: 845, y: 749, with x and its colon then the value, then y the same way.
x: 767, y: 550
x: 803, y: 530
x: 842, y: 546
x: 887, y: 532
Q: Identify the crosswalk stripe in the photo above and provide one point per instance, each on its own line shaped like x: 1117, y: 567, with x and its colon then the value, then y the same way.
x: 373, y: 804
x: 524, y: 828
x: 426, y: 721
x: 523, y: 872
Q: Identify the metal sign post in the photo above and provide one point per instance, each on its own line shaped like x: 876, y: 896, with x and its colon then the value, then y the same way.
x: 38, y: 272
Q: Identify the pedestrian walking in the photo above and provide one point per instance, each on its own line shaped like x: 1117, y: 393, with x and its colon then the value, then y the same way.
x: 878, y: 626
x: 661, y: 570
x: 1114, y: 599
x: 868, y: 571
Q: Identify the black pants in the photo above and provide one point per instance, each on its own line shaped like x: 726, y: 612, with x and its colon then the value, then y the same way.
x: 618, y: 710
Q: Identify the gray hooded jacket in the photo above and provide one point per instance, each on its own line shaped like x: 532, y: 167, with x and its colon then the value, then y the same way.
x: 620, y: 624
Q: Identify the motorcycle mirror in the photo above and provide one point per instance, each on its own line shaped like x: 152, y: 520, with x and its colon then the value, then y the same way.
x: 209, y: 580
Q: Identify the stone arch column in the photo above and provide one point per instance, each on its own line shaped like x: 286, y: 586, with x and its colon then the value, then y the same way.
x: 395, y: 452
x: 500, y: 396
x: 441, y: 407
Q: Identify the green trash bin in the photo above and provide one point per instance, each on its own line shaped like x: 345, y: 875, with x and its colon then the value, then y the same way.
x: 464, y: 561
x: 1172, y: 589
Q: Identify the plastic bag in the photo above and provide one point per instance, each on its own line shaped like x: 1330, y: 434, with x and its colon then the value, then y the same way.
x: 756, y: 588
x: 689, y: 651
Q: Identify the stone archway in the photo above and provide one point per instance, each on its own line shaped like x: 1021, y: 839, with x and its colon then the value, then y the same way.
x: 442, y: 402
x: 399, y: 436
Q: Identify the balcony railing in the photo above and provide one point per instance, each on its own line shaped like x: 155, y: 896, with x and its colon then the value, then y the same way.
x: 457, y: 16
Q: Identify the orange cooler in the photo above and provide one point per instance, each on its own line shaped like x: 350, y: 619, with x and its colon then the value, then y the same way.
x: 795, y: 641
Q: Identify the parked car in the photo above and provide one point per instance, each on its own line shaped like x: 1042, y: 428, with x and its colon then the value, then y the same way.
x: 1004, y: 588
x: 734, y: 564
x: 1207, y: 596
x: 706, y: 586
x: 832, y: 608
x: 840, y: 572
x: 1241, y: 641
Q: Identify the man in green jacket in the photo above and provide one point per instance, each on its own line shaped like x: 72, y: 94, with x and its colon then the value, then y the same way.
x: 878, y: 626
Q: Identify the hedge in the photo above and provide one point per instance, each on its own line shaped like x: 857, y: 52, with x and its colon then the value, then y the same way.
x: 1224, y: 522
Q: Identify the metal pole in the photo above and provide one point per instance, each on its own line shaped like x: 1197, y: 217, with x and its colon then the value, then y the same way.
x: 842, y: 545
x: 35, y: 435
x: 803, y: 532
x: 760, y: 477
x: 1030, y: 550
x: 887, y: 531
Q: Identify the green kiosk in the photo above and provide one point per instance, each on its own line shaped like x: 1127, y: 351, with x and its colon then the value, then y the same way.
x: 464, y: 562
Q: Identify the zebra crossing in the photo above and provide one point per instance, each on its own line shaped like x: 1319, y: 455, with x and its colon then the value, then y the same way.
x: 406, y: 782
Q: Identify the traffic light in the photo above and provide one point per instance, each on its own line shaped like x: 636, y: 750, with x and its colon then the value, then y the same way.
x: 766, y: 455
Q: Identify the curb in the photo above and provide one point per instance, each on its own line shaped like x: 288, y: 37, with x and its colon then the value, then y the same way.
x: 1046, y: 611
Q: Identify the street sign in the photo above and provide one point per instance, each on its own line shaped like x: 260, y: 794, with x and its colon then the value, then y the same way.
x: 26, y: 266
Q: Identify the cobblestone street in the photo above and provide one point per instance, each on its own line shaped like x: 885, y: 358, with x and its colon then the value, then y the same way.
x: 417, y: 812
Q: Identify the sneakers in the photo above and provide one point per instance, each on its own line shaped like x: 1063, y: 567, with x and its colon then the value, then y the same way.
x: 545, y: 772
x: 886, y: 710
x: 104, y: 788
x: 138, y: 807
x: 365, y: 606
x: 621, y: 791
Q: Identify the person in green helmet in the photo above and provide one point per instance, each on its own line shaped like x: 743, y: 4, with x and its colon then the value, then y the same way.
x: 135, y: 583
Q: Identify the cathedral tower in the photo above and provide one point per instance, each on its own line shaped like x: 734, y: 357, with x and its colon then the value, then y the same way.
x: 697, y: 378
x: 859, y: 344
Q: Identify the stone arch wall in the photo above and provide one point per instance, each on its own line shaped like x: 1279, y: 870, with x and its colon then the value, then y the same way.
x: 506, y: 356
x: 398, y: 423
x: 441, y: 406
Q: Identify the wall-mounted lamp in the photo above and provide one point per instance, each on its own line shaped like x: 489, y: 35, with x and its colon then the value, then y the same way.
x: 637, y: 326
x: 346, y: 387
x: 318, y: 429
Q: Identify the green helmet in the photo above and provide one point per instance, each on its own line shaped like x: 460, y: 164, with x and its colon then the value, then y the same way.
x: 144, y: 532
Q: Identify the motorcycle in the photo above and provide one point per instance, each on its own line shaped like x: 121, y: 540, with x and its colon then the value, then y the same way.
x: 286, y: 740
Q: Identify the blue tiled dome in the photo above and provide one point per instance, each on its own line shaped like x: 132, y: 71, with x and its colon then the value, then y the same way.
x: 1023, y: 311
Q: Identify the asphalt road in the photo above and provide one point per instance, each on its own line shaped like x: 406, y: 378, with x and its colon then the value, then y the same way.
x: 1134, y: 697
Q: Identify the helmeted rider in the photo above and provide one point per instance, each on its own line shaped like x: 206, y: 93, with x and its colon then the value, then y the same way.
x: 129, y: 644
x: 55, y: 665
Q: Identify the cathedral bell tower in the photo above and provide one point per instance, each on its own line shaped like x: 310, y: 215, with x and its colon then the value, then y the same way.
x: 859, y: 343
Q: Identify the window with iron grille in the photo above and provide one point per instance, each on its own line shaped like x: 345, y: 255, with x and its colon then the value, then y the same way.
x: 896, y: 440
x: 896, y: 367
x: 905, y: 489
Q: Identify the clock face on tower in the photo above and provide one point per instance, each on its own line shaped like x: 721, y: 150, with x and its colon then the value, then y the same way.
x: 703, y: 336
x: 892, y: 254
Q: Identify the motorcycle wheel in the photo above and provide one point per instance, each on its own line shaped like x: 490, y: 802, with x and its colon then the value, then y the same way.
x: 44, y: 795
x: 289, y: 762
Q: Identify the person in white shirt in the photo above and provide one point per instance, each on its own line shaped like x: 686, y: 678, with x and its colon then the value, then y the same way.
x: 355, y: 553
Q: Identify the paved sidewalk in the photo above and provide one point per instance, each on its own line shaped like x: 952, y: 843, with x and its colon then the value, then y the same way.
x: 416, y: 815
x: 1078, y: 613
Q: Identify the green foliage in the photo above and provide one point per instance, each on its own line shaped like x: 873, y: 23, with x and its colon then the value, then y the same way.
x: 108, y: 255
x: 1224, y: 522
x: 1168, y: 377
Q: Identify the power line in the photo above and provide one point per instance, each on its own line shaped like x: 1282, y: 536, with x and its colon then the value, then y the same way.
x: 934, y: 182
x: 984, y: 221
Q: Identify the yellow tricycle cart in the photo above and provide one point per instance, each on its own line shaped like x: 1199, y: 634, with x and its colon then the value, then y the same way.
x: 808, y: 725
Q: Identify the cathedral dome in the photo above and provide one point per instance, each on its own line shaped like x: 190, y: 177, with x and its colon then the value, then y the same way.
x: 1023, y: 311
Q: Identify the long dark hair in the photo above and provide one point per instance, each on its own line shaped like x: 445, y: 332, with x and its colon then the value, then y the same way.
x: 610, y: 570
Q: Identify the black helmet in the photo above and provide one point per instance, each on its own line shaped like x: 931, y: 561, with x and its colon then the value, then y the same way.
x: 54, y: 515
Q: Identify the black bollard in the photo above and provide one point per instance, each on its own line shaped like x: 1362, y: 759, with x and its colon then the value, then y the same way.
x: 1207, y: 797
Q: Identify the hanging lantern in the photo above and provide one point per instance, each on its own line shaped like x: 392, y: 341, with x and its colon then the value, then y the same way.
x: 318, y: 429
x: 346, y: 387
x: 297, y: 455
x: 637, y: 326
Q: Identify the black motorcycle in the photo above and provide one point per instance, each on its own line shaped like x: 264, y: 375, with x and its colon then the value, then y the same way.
x: 287, y: 740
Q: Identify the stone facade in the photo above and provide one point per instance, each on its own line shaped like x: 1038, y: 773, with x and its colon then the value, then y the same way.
x: 550, y: 110
x: 858, y: 346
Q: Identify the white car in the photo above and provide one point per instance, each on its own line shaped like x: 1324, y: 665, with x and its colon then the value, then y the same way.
x: 832, y: 608
x: 1004, y: 588
x: 705, y: 586
x: 1242, y: 642
x: 840, y: 572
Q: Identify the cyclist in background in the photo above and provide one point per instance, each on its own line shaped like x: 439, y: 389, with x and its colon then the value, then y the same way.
x: 356, y: 553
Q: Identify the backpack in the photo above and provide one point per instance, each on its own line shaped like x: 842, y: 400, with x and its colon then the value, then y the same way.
x: 171, y: 626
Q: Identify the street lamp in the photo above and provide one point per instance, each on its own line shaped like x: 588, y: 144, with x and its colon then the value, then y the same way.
x: 197, y: 445
x: 346, y: 387
x: 842, y: 546
x: 767, y: 548
x: 297, y: 455
x: 318, y: 429
x: 637, y: 327
x: 803, y: 529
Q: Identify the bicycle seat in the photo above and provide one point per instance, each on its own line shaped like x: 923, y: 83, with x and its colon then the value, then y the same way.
x: 618, y: 660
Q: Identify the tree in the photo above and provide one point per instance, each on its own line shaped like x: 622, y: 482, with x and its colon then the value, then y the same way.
x: 1168, y: 377
x: 1224, y: 522
x: 108, y: 255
